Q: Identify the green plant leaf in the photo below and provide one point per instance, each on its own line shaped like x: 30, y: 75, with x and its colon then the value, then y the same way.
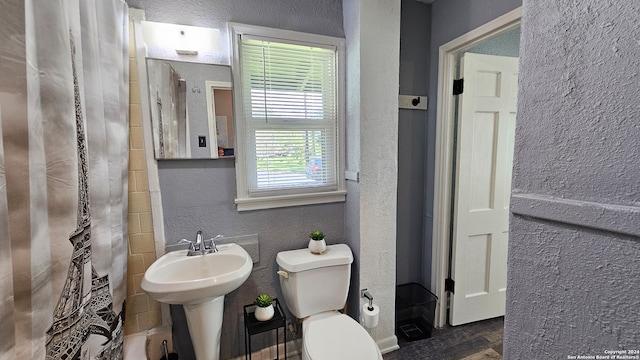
x: 263, y: 300
x: 317, y: 235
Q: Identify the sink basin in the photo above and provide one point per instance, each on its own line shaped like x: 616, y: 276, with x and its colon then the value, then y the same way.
x: 199, y: 283
x: 176, y: 278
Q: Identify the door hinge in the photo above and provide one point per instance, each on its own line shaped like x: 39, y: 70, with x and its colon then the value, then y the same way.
x: 449, y: 285
x: 458, y: 86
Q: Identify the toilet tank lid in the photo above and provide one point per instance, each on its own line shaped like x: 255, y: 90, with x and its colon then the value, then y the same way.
x: 303, y: 259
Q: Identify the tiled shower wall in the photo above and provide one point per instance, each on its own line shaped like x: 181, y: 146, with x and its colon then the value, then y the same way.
x: 143, y: 313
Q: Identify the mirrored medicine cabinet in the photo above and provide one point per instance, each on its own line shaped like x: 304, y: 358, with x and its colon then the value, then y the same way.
x: 191, y: 109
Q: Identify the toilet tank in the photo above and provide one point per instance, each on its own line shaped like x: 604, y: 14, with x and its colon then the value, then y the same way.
x: 315, y: 283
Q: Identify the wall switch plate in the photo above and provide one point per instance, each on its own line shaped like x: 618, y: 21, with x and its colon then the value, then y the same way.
x: 352, y: 175
x: 202, y: 141
x: 415, y: 102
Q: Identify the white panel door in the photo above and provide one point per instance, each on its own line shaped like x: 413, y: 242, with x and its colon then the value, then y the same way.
x: 486, y: 129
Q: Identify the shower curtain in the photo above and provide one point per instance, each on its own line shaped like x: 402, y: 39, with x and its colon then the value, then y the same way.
x: 63, y: 178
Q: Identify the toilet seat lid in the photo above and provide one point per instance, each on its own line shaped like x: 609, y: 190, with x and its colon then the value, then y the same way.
x: 338, y: 337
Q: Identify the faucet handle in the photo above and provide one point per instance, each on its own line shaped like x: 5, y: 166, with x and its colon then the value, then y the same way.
x: 211, y: 243
x: 216, y: 237
x: 192, y: 246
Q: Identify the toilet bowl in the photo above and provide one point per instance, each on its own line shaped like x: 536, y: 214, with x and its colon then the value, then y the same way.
x: 336, y: 336
x: 315, y: 287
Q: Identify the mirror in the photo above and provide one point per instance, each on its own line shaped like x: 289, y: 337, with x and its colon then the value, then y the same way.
x: 191, y: 109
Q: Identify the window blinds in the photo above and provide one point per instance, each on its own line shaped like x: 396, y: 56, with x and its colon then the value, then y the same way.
x: 291, y: 115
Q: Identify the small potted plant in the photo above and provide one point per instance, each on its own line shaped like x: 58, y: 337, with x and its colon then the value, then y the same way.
x: 264, y: 307
x: 317, y: 245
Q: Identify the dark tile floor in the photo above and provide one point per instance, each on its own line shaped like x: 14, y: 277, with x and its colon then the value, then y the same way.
x: 475, y: 341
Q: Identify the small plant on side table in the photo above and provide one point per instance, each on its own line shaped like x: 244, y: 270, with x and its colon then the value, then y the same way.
x: 317, y: 245
x: 264, y: 307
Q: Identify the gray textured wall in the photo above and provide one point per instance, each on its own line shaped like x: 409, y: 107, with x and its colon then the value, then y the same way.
x: 316, y: 17
x: 574, y: 249
x: 450, y: 19
x: 415, y: 29
x: 198, y: 194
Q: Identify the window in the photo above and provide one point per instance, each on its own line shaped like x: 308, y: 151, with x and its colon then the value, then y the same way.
x: 289, y: 108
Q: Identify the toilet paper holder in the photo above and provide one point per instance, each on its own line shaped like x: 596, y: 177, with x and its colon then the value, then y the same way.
x: 365, y: 294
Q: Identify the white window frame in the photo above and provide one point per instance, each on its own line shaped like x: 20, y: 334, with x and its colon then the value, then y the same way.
x: 244, y: 200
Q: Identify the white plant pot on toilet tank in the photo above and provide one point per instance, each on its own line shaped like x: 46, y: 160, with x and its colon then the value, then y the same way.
x: 317, y: 246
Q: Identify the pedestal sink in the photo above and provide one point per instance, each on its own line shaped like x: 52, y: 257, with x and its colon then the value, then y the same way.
x: 199, y: 283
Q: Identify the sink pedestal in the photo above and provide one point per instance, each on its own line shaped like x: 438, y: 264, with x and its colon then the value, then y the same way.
x: 205, y: 324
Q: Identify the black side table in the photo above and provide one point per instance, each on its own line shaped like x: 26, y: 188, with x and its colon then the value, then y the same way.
x: 252, y: 326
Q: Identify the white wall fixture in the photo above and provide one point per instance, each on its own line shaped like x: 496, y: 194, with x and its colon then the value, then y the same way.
x: 416, y: 102
x: 185, y: 40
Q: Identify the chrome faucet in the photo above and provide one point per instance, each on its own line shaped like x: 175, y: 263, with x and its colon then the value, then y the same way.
x: 200, y: 246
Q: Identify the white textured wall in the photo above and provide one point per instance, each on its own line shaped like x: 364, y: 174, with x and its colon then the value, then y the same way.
x: 373, y: 63
x: 379, y: 81
x: 351, y: 21
x: 574, y: 248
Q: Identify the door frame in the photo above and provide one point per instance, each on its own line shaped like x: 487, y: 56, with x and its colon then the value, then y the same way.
x: 445, y: 113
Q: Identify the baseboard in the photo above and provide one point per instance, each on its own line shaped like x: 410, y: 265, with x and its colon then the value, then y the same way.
x: 388, y: 345
x: 293, y: 349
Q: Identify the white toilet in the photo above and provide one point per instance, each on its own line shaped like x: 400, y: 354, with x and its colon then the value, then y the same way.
x: 315, y: 287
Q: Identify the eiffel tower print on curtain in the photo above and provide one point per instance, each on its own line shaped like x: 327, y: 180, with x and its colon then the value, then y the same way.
x: 85, y: 306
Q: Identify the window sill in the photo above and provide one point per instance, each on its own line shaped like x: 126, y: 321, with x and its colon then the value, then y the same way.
x: 272, y: 202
